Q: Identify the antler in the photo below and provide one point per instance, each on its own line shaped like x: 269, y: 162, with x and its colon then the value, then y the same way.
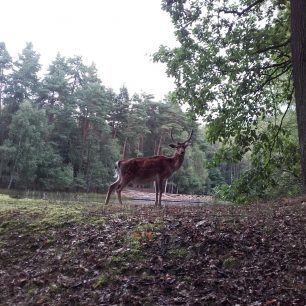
x: 190, y: 135
x: 172, y: 135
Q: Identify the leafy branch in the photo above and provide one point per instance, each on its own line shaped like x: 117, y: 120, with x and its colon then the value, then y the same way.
x: 280, y: 125
x: 245, y: 10
x: 274, y: 47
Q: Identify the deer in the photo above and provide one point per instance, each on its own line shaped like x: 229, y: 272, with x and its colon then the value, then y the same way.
x: 141, y: 170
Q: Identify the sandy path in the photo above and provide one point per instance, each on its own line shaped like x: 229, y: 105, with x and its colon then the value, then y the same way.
x: 150, y: 196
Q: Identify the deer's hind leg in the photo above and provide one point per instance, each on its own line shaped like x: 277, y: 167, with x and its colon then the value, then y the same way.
x: 111, y: 189
x: 122, y: 184
x: 119, y: 188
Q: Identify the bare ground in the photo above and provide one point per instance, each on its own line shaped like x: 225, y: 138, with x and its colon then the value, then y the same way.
x: 167, y: 197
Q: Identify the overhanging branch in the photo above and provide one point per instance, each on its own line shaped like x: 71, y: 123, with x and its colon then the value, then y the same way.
x: 281, y: 123
x: 245, y: 10
x: 270, y: 79
x: 273, y: 47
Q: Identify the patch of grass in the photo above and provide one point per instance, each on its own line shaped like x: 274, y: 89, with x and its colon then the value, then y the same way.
x: 177, y: 253
x: 143, y: 232
x: 97, y: 220
x: 2, y: 244
x: 38, y: 215
x: 231, y: 263
x: 102, y: 280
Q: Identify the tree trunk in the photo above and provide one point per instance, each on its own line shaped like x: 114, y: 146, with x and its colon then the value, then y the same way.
x: 298, y: 48
x: 0, y: 100
x: 139, y: 145
x: 142, y: 141
x: 124, y: 148
x: 14, y: 166
x: 114, y: 132
x: 159, y: 145
x: 155, y: 147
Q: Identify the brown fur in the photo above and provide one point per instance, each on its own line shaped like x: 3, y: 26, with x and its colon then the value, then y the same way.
x: 148, y: 169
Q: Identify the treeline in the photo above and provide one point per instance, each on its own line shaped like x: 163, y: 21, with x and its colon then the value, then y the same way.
x: 65, y: 130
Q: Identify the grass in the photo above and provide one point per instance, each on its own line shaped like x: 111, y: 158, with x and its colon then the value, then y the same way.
x: 178, y: 253
x: 38, y: 215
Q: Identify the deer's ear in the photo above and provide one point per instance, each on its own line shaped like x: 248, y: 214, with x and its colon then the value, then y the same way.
x: 172, y: 145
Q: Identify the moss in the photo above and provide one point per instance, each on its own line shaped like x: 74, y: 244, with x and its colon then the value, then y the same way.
x: 102, y: 280
x: 7, y: 224
x: 96, y: 220
x: 2, y: 243
x: 177, y: 253
x: 29, y: 214
x: 231, y: 263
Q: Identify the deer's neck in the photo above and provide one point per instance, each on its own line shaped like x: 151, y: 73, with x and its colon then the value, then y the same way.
x: 178, y: 160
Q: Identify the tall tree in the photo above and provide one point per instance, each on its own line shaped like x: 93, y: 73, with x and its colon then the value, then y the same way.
x: 118, y: 115
x: 23, y: 81
x: 57, y: 97
x: 93, y: 147
x: 5, y: 66
x: 137, y: 129
x: 298, y: 46
x: 27, y: 143
x: 234, y: 66
x: 55, y: 89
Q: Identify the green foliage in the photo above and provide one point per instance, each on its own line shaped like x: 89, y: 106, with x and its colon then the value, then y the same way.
x: 26, y: 140
x: 274, y: 168
x: 233, y: 66
x: 65, y: 131
x: 23, y: 82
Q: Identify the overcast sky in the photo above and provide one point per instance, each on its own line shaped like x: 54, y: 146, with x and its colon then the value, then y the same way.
x: 117, y: 35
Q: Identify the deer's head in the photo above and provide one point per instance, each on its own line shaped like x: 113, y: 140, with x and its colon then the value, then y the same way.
x: 180, y: 147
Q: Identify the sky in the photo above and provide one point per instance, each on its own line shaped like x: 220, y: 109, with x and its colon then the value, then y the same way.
x: 119, y: 36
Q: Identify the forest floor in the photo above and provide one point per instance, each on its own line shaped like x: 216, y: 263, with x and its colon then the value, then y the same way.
x: 63, y: 253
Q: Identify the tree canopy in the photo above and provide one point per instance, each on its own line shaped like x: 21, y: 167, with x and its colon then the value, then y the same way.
x: 64, y: 130
x: 233, y: 66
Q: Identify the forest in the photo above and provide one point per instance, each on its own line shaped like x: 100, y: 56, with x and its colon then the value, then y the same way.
x: 64, y: 130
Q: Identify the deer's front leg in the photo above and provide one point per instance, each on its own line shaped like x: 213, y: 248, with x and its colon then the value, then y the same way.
x: 156, y: 185
x: 161, y: 190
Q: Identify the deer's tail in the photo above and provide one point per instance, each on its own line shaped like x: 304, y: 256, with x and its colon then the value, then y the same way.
x: 117, y: 170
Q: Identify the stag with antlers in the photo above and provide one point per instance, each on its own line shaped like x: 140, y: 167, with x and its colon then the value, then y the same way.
x: 141, y: 170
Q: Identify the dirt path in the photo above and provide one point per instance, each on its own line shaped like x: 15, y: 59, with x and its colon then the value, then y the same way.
x: 138, y: 195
